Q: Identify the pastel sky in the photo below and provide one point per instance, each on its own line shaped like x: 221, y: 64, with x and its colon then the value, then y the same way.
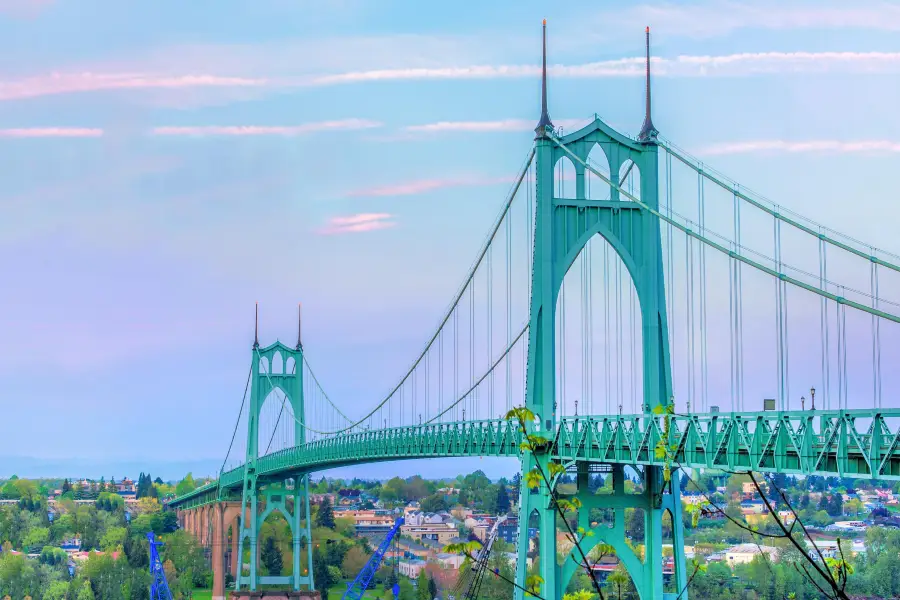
x: 166, y: 164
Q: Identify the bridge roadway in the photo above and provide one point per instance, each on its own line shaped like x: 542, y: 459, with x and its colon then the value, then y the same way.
x: 858, y: 443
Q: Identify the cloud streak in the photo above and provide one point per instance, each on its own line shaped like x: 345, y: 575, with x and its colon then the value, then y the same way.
x: 51, y: 132
x: 357, y: 223
x: 257, y: 130
x: 71, y: 83
x: 812, y: 146
x: 729, y: 65
x: 488, y: 126
x: 423, y: 186
x: 738, y: 64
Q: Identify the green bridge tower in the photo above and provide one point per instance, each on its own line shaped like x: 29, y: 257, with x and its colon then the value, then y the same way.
x: 562, y: 229
x: 275, y: 367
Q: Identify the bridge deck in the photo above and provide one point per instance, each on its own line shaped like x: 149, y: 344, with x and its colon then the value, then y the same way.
x: 861, y: 443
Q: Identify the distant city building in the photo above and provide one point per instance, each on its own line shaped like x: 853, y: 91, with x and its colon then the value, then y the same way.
x: 745, y: 553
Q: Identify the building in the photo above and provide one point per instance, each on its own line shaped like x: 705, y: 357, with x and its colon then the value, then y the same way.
x: 745, y: 553
x: 508, y: 531
x: 453, y: 561
x: 411, y: 568
x: 442, y: 533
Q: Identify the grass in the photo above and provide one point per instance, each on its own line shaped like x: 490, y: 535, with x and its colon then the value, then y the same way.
x: 199, y: 594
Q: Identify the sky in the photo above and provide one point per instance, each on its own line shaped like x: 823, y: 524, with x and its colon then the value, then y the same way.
x: 168, y: 164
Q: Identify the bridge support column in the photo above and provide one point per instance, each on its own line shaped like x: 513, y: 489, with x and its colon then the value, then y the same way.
x: 218, y: 551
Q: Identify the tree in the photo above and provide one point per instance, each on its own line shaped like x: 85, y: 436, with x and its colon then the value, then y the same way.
x: 422, y: 591
x: 325, y: 515
x: 271, y: 556
x: 66, y: 487
x: 354, y: 561
x: 185, y: 486
x: 433, y: 503
x: 502, y: 498
x: 57, y: 591
x: 85, y: 593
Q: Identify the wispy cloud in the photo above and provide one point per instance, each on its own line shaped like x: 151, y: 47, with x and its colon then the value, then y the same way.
x: 358, y: 223
x: 252, y: 130
x: 738, y: 64
x: 747, y: 63
x: 820, y: 146
x: 23, y: 8
x: 45, y: 132
x: 69, y: 83
x: 489, y: 126
x: 422, y: 186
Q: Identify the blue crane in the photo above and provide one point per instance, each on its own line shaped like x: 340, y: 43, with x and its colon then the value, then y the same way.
x: 159, y: 587
x: 356, y: 589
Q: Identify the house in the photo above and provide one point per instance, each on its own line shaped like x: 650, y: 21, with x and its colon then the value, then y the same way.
x: 441, y: 533
x: 453, y: 561
x: 411, y: 568
x: 742, y: 554
x: 508, y: 531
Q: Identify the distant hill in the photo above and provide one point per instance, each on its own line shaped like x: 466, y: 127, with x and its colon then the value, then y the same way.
x: 30, y: 467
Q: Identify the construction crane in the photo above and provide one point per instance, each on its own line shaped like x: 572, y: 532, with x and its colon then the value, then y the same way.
x: 159, y: 587
x: 473, y: 582
x: 359, y: 586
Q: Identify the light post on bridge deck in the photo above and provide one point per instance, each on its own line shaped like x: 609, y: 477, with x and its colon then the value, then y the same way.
x: 812, y: 394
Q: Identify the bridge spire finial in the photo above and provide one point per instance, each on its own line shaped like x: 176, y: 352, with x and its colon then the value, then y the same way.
x: 648, y: 131
x: 299, y: 326
x: 544, y: 122
x: 256, y: 328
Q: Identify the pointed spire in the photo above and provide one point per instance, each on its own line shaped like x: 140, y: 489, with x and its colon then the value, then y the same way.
x: 299, y: 326
x: 545, y: 122
x: 256, y: 328
x: 648, y: 131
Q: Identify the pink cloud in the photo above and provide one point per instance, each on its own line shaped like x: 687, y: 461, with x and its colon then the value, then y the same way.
x: 358, y: 223
x: 250, y: 130
x: 42, y: 132
x: 61, y: 83
x: 23, y: 8
x: 425, y: 185
x: 490, y: 126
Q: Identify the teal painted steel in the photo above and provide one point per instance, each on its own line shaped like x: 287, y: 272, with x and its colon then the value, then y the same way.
x: 857, y: 443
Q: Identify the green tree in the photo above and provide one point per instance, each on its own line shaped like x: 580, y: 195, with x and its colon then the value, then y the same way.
x: 186, y: 485
x: 502, y: 498
x: 271, y: 556
x: 58, y: 590
x: 433, y: 503
x: 354, y: 561
x: 113, y: 538
x: 422, y: 591
x: 325, y: 514
x: 85, y: 592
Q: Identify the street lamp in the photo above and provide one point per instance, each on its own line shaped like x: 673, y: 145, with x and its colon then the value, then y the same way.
x: 802, y: 402
x: 812, y: 395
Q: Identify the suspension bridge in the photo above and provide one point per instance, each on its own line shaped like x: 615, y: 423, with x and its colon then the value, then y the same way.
x: 608, y: 299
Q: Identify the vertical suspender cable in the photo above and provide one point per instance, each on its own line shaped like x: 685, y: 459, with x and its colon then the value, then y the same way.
x: 590, y: 325
x: 455, y: 363
x: 508, y: 360
x: 703, y: 363
x: 689, y: 291
x: 876, y: 337
x: 825, y: 325
x: 779, y: 321
x: 606, y: 292
x: 584, y: 329
x: 474, y: 395
x: 841, y: 348
x: 619, y: 357
x: 490, y: 321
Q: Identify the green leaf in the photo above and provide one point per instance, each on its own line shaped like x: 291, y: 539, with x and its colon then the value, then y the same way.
x: 533, y: 479
x: 555, y: 469
x: 659, y: 409
x: 521, y: 414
